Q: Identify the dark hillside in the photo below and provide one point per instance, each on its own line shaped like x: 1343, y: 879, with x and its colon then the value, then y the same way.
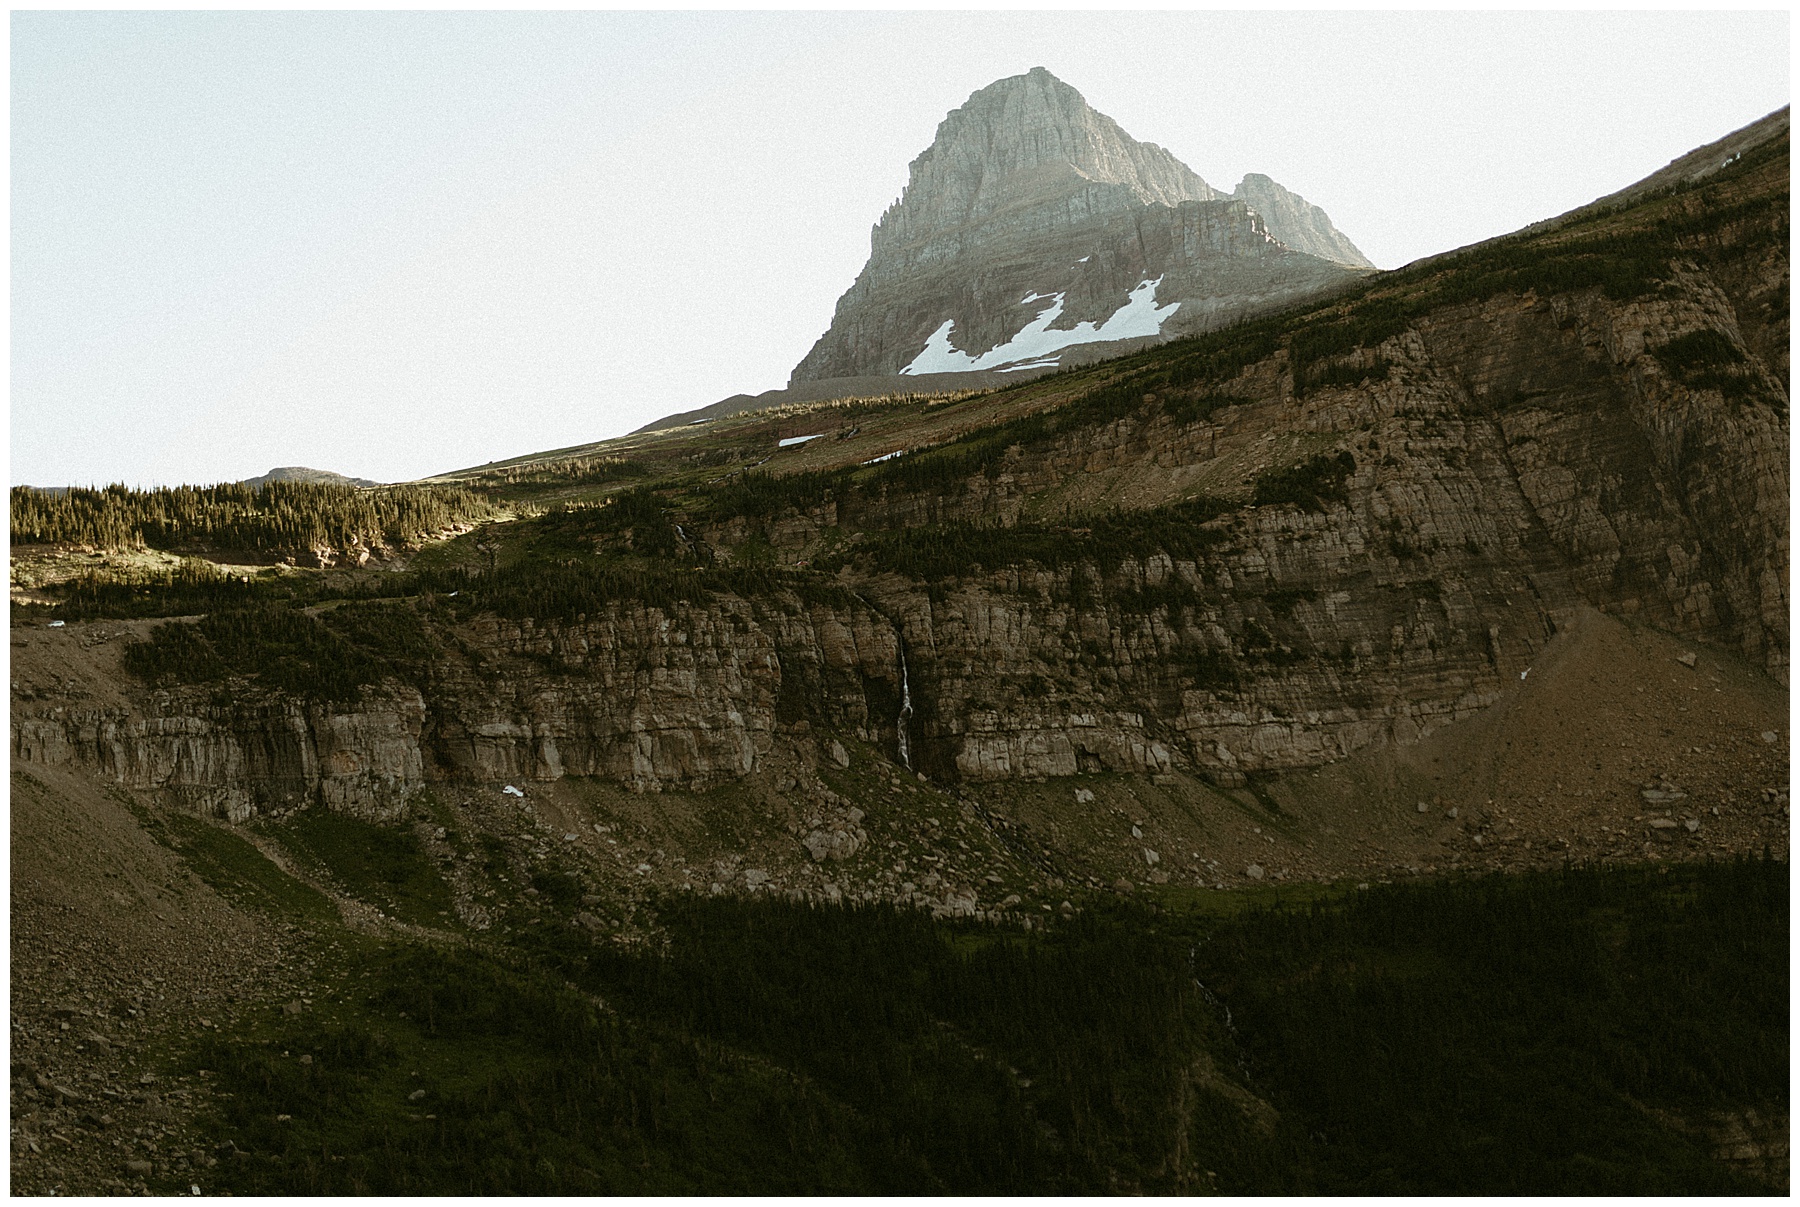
x: 1584, y: 1033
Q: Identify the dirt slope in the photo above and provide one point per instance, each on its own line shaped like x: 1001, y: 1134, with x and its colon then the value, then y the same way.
x: 118, y: 951
x: 1559, y: 768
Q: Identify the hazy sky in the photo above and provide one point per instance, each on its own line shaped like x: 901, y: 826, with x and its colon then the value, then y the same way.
x: 392, y: 244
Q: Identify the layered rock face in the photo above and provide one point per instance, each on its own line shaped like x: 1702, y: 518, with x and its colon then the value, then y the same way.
x: 253, y: 752
x: 690, y: 698
x: 1515, y: 459
x: 1030, y: 208
x: 1519, y: 464
x: 1521, y: 460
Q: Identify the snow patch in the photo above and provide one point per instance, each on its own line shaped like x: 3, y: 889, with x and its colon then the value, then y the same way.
x: 899, y: 452
x: 1036, y: 364
x: 793, y: 440
x: 1139, y: 317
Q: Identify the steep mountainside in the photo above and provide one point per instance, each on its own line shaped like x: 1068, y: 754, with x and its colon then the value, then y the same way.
x: 1701, y: 162
x: 1028, y: 193
x: 1480, y: 565
x: 1323, y: 533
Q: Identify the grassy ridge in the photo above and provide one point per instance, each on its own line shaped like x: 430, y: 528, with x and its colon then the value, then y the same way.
x: 385, y: 865
x: 274, y: 519
x: 1326, y: 344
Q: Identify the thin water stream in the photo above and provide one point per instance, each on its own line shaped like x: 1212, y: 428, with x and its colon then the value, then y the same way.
x: 902, y: 724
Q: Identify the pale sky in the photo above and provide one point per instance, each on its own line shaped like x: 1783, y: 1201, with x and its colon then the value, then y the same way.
x: 393, y: 244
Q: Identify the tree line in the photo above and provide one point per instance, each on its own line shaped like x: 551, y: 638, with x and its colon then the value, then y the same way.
x: 274, y: 519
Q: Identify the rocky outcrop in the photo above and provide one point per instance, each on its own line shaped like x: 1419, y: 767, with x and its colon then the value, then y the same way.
x: 689, y: 698
x: 243, y: 753
x: 1517, y: 459
x: 1755, y: 1142
x: 1297, y: 222
x: 1031, y: 215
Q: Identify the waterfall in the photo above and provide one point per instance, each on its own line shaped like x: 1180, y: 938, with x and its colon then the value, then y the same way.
x: 902, y: 722
x: 905, y: 708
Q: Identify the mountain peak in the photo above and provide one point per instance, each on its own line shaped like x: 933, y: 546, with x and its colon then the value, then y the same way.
x: 1039, y: 80
x: 1030, y: 139
x: 1034, y: 229
x: 1037, y: 75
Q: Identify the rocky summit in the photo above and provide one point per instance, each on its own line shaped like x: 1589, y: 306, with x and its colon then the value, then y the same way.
x: 1034, y: 232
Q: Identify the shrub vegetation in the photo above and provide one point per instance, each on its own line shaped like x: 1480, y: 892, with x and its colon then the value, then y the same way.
x: 285, y: 649
x: 1706, y: 360
x: 1314, y: 482
x: 936, y: 552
